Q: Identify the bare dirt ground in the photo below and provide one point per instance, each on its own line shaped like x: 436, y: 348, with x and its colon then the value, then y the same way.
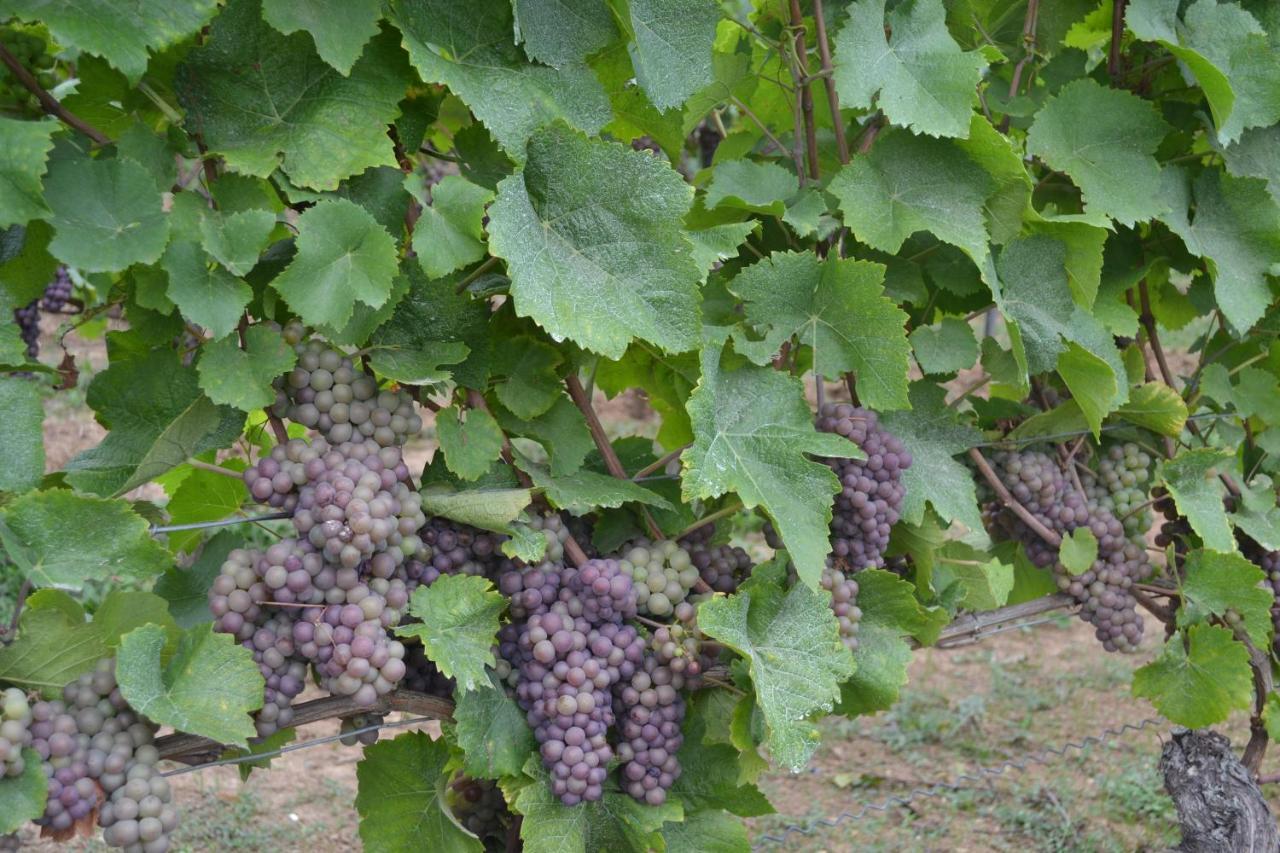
x: 1012, y: 696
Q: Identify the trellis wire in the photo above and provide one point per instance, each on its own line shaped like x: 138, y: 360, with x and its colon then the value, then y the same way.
x: 226, y: 522
x: 1042, y: 757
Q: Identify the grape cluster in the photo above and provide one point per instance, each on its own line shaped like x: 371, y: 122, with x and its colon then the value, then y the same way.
x: 662, y: 574
x: 423, y: 676
x: 844, y: 604
x: 650, y: 710
x: 350, y: 725
x: 15, y: 731
x: 1120, y: 487
x: 870, y: 499
x: 479, y: 806
x: 32, y: 52
x: 451, y: 548
x: 55, y: 297
x: 1035, y: 481
x: 140, y: 816
x: 327, y: 393
x: 284, y: 672
x: 721, y: 567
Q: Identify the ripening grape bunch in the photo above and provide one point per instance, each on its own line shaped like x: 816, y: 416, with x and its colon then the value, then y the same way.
x: 1037, y: 482
x: 55, y: 297
x: 1120, y: 487
x: 32, y: 52
x: 479, y: 806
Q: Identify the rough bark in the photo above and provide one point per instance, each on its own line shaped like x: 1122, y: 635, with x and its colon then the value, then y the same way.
x: 1219, y: 805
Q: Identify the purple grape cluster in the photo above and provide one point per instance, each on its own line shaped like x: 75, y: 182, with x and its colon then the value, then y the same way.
x: 350, y: 725
x: 1037, y: 482
x: 650, y: 710
x: 451, y: 548
x: 721, y: 567
x: 326, y: 392
x: 423, y: 676
x: 870, y: 499
x: 844, y: 604
x: 479, y: 806
x: 55, y: 297
x: 1269, y: 562
x: 140, y: 815
x: 57, y: 292
x: 283, y: 670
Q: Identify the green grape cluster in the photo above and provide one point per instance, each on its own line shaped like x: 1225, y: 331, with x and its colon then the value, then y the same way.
x: 1121, y: 487
x: 663, y: 574
x: 30, y: 50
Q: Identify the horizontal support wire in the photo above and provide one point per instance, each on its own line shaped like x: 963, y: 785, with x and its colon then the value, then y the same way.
x: 1043, y: 757
x: 226, y: 522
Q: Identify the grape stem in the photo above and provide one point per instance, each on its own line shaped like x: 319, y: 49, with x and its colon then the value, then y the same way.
x: 48, y: 102
x: 23, y: 592
x: 1028, y: 51
x: 711, y: 518
x: 213, y: 469
x: 1010, y: 501
x: 800, y: 75
x: 661, y: 463
x: 828, y: 80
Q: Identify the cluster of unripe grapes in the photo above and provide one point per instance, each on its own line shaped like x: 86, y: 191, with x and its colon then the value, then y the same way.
x: 32, y: 52
x: 1120, y: 487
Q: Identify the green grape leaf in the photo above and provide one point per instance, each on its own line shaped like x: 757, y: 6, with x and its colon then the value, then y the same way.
x: 531, y: 385
x: 187, y: 590
x: 158, y: 419
x: 616, y: 823
x: 236, y: 240
x: 24, y: 145
x: 706, y: 832
x: 1236, y: 230
x: 459, y: 616
x: 22, y: 441
x: 242, y: 378
x: 1216, y: 583
x: 796, y: 658
x: 749, y: 185
x: 563, y: 32
x: 205, y: 293
x: 593, y: 238
x: 709, y: 780
x: 477, y: 58
x: 401, y: 798
x: 425, y: 364
x: 123, y: 610
x: 339, y: 28
x: 110, y: 540
x: 1257, y: 155
x: 983, y: 584
x: 584, y: 490
x: 296, y: 111
x: 1192, y: 479
x: 120, y: 31
x: 1259, y: 515
x: 752, y: 430
x: 671, y: 48
x: 561, y: 430
x: 1228, y: 52
x: 911, y: 183
x: 53, y: 649
x: 470, y: 446
x: 450, y: 233
x: 344, y: 256
x: 209, y: 687
x: 946, y: 347
x: 1104, y: 140
x: 1157, y: 407
x: 489, y: 509
x: 25, y: 265
x: 204, y: 496
x: 23, y: 797
x: 666, y: 379
x: 720, y: 242
x: 934, y: 434
x: 1079, y: 550
x: 106, y: 214
x: 925, y: 81
x: 891, y: 613
x: 837, y: 308
x: 1201, y: 676
x: 492, y: 732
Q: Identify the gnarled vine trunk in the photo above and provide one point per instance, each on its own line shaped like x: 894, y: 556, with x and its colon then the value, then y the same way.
x: 1219, y: 805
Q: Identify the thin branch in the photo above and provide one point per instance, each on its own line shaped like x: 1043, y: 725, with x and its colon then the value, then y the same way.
x: 833, y: 99
x: 214, y: 469
x: 869, y: 133
x: 660, y: 463
x: 1011, y: 502
x: 1028, y: 51
x: 800, y: 69
x: 711, y: 518
x: 476, y: 273
x: 277, y: 427
x: 972, y: 627
x: 48, y: 102
x: 226, y: 522
x: 1164, y: 614
x: 746, y: 111
x: 23, y: 592
x: 969, y: 389
x: 1114, y: 58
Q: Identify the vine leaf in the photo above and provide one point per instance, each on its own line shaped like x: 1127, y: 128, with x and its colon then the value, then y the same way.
x: 943, y: 348
x: 1201, y: 676
x: 1236, y: 230
x: 24, y: 145
x: 1105, y: 141
x: 110, y: 541
x: 477, y: 58
x: 22, y: 441
x: 295, y: 111
x: 797, y: 661
x: 1258, y: 514
x: 187, y: 590
x: 666, y: 379
x: 1079, y: 550
x: 123, y: 610
x: 891, y: 613
x: 53, y: 649
x: 752, y: 430
x: 561, y: 430
x: 158, y: 419
x: 836, y: 307
x: 1157, y: 407
x: 489, y: 509
x: 344, y: 256
x: 531, y: 384
x: 583, y: 490
x: 209, y: 687
x: 242, y: 378
x: 339, y: 28
x: 23, y: 797
x: 1217, y: 583
x: 1228, y: 52
x: 593, y: 236
x: 563, y: 32
x: 401, y: 798
x: 709, y: 781
x: 934, y: 434
x: 616, y: 822
x: 492, y: 732
x: 1192, y: 479
x: 426, y: 364
x: 432, y: 318
x: 207, y: 294
x: 236, y: 240
x: 1257, y: 155
x: 449, y: 234
x: 470, y: 446
x: 106, y: 214
x: 671, y: 48
x: 925, y: 81
x: 748, y: 185
x: 199, y: 495
x: 459, y: 616
x: 120, y: 31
